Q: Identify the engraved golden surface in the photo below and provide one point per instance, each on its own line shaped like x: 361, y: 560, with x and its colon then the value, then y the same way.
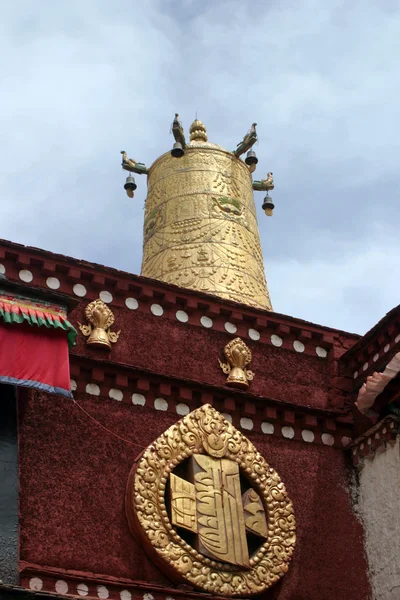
x: 200, y: 228
x: 238, y: 355
x: 100, y: 318
x: 255, y: 520
x: 183, y: 503
x: 232, y: 490
x: 219, y: 510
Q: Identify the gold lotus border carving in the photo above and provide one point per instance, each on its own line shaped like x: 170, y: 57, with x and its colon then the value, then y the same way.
x: 205, y: 431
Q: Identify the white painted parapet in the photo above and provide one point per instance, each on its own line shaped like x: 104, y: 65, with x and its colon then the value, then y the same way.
x: 379, y: 508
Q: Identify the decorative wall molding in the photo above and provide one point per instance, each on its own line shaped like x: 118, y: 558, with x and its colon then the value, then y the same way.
x: 89, y: 281
x: 374, y: 350
x: 87, y: 585
x: 247, y: 412
x: 376, y: 383
x: 86, y: 281
x: 374, y: 440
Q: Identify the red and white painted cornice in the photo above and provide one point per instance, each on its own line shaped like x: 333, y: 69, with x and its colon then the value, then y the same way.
x: 67, y: 583
x: 87, y: 281
x: 375, y: 440
x: 252, y: 414
x: 374, y: 350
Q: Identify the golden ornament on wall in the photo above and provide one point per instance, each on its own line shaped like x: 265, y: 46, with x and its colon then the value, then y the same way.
x: 100, y: 318
x: 209, y: 510
x: 238, y: 355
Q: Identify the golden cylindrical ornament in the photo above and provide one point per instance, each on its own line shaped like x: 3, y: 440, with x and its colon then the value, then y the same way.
x: 200, y: 229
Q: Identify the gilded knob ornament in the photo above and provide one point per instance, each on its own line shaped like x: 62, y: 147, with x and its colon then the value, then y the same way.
x: 238, y: 355
x: 98, y: 331
x: 198, y: 131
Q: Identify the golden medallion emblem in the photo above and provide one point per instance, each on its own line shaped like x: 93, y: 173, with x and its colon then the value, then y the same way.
x: 209, y: 509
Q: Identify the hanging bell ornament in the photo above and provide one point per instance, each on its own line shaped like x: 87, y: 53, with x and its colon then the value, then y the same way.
x: 177, y: 150
x: 130, y: 186
x: 268, y: 206
x: 251, y: 158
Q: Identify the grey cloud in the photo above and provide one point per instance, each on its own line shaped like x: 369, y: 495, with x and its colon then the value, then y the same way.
x: 83, y: 81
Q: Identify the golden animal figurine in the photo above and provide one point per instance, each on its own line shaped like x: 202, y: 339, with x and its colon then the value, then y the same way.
x: 265, y: 185
x: 268, y: 182
x: 100, y: 318
x: 177, y: 131
x: 238, y: 356
x: 129, y: 164
x: 249, y: 139
x: 209, y: 510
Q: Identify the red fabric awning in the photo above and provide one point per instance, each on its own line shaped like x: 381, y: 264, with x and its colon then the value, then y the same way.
x: 35, y: 358
x: 34, y: 338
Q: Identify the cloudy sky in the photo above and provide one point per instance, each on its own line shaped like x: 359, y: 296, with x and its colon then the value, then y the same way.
x: 83, y: 79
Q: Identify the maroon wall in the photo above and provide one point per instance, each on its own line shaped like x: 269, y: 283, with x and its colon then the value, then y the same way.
x: 72, y: 484
x: 165, y: 346
x: 73, y: 473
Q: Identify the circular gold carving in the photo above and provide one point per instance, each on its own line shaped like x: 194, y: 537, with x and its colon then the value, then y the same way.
x: 206, y: 432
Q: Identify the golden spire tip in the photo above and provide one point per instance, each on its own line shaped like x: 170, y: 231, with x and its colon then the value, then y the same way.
x: 198, y: 131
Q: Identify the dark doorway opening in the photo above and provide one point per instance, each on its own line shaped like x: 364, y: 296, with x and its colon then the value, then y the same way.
x: 8, y: 485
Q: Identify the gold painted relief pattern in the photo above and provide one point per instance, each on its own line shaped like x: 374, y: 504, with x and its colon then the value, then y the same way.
x: 200, y: 226
x: 221, y: 527
x: 254, y: 513
x: 215, y: 511
x: 183, y: 503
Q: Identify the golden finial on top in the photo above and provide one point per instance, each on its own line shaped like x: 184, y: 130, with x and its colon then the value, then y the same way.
x: 200, y: 230
x: 198, y: 131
